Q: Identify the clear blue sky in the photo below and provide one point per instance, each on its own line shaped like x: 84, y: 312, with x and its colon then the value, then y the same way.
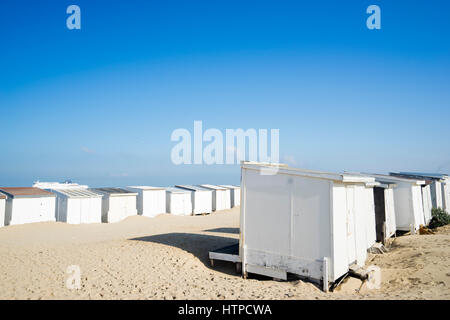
x: 98, y: 105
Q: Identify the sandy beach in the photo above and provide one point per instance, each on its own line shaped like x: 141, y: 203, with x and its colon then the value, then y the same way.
x: 167, y: 258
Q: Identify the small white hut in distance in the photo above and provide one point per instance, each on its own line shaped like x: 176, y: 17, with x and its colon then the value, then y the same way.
x: 2, y: 209
x: 178, y: 201
x: 117, y: 204
x: 201, y: 199
x: 235, y: 193
x: 28, y: 205
x: 151, y: 201
x: 78, y: 205
x: 75, y: 204
x: 221, y: 197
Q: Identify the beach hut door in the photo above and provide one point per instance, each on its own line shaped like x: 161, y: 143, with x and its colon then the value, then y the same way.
x: 351, y: 240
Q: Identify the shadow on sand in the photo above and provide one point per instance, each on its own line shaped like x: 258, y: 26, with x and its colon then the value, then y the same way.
x: 224, y: 230
x: 197, y: 244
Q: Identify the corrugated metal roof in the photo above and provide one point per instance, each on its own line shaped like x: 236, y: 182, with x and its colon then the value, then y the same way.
x: 192, y: 188
x: 176, y: 190
x: 210, y: 186
x: 113, y: 190
x: 283, y: 169
x: 78, y: 193
x: 146, y: 187
x: 229, y: 186
x: 394, y: 179
x: 26, y: 191
x: 425, y: 175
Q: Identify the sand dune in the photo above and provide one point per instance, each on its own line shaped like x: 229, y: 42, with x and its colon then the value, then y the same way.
x: 167, y: 258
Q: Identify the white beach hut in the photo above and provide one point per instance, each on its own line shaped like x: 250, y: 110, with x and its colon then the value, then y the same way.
x: 27, y: 205
x: 440, y: 185
x: 309, y: 223
x: 408, y: 202
x: 78, y: 205
x: 117, y: 203
x: 151, y: 201
x: 431, y: 192
x: 178, y: 201
x: 384, y: 210
x: 221, y: 197
x: 235, y: 192
x: 2, y: 209
x: 201, y: 199
x: 435, y: 185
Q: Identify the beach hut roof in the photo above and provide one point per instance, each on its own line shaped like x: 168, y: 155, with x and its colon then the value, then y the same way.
x: 213, y: 187
x: 146, y: 187
x: 192, y: 188
x: 339, y: 177
x: 114, y: 191
x: 436, y: 176
x: 78, y: 193
x: 177, y: 190
x: 229, y: 186
x: 25, y: 192
x: 394, y: 179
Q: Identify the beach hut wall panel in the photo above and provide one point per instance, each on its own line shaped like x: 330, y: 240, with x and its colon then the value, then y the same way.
x: 28, y: 205
x: 201, y: 198
x: 384, y: 211
x: 75, y: 206
x: 235, y: 193
x: 408, y: 202
x: 221, y: 197
x: 436, y: 194
x: 427, y: 203
x: 117, y: 204
x: 446, y: 194
x: 2, y: 209
x: 151, y: 201
x: 309, y: 223
x: 178, y: 201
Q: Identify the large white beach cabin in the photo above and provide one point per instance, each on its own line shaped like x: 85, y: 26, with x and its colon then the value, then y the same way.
x: 309, y: 223
x: 201, y: 199
x: 384, y: 210
x: 78, y: 205
x: 117, y: 203
x: 151, y: 201
x: 221, y: 197
x: 408, y: 202
x: 2, y: 209
x: 235, y: 193
x: 28, y: 205
x: 178, y: 201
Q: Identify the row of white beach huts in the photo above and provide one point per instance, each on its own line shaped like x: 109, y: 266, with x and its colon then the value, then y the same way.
x: 73, y: 203
x: 321, y: 225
